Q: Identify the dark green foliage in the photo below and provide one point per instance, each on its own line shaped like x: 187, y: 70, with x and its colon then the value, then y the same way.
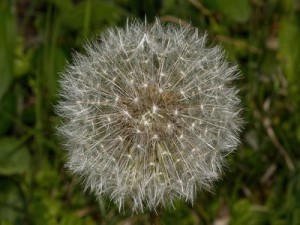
x: 261, y: 183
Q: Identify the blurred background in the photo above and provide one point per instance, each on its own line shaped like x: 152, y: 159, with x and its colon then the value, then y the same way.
x: 261, y: 184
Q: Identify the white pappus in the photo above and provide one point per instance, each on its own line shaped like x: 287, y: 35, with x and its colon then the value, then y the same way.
x: 149, y: 113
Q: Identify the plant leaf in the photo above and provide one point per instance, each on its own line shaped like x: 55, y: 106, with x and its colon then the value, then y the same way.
x: 14, y: 159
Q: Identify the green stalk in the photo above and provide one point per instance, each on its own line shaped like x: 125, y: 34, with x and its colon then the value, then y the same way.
x: 87, y: 18
x: 156, y: 217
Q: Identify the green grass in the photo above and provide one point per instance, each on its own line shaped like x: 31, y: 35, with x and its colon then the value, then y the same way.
x: 261, y: 184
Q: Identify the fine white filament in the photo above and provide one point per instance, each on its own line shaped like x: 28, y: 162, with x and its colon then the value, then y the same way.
x: 149, y: 114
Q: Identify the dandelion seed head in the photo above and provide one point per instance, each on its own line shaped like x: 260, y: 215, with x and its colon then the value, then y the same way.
x: 149, y: 114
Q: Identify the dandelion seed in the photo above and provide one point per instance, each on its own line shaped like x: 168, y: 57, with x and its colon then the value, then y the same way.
x: 154, y: 108
x: 163, y: 115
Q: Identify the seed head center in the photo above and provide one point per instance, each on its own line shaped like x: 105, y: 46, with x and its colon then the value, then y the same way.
x: 150, y: 113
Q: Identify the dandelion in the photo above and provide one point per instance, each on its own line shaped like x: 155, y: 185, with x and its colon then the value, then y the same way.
x: 149, y: 114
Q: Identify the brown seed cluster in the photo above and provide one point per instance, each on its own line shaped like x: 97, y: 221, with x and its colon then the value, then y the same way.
x: 151, y: 115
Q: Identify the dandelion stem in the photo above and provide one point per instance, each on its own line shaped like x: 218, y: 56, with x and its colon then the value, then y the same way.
x: 156, y: 217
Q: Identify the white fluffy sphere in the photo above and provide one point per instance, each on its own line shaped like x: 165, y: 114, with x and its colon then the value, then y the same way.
x: 149, y: 114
